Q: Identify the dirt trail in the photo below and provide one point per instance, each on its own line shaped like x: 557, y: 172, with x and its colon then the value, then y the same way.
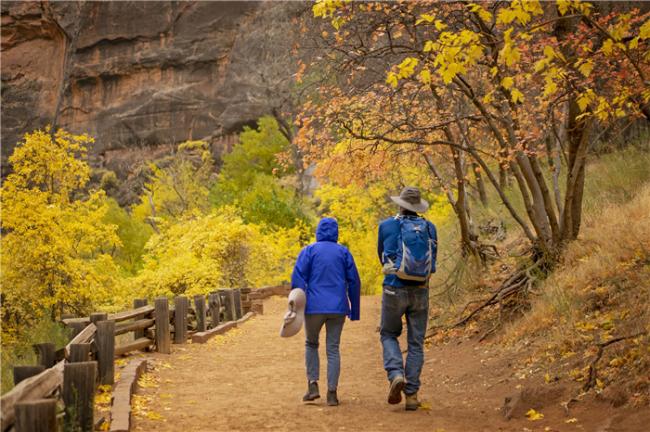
x: 253, y: 380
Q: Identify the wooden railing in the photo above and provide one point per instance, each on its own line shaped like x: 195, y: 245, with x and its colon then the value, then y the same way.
x: 72, y: 373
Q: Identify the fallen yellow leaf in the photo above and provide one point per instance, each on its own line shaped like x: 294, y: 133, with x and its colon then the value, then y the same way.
x: 534, y: 415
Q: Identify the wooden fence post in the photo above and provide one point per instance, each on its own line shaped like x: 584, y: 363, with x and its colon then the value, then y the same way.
x: 23, y: 372
x: 95, y: 317
x: 230, y: 312
x: 76, y: 328
x: 245, y: 300
x: 180, y: 319
x: 238, y: 311
x: 215, y: 309
x: 46, y: 354
x: 138, y: 303
x: 163, y: 338
x: 105, y: 339
x: 36, y: 415
x: 223, y: 302
x: 79, y: 353
x: 79, y: 395
x: 199, y: 308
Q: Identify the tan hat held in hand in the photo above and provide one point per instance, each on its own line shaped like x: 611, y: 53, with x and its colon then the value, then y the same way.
x: 295, y: 316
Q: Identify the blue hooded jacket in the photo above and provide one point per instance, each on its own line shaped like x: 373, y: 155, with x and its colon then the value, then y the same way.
x: 328, y: 274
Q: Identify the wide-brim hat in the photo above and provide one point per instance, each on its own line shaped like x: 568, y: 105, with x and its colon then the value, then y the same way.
x: 295, y: 316
x: 410, y: 199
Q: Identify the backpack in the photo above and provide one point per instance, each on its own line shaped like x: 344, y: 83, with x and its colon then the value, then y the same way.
x: 414, y: 250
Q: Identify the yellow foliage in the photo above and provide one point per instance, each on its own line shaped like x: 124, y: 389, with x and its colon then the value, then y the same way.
x: 180, y: 187
x: 55, y: 244
x: 201, y: 253
x: 534, y: 415
x: 516, y: 95
x: 507, y: 82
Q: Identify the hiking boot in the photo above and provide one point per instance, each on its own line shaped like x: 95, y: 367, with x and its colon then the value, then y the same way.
x: 332, y: 399
x: 412, y: 402
x: 395, y: 391
x: 312, y: 392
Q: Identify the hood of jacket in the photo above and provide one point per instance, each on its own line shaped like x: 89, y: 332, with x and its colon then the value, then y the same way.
x: 328, y: 230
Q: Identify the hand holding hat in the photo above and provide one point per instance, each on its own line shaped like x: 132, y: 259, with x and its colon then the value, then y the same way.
x: 293, y: 319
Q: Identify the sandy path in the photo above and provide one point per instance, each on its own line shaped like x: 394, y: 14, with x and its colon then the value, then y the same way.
x: 253, y: 380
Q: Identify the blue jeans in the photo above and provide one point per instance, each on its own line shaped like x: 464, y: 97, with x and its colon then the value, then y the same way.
x: 414, y: 303
x: 334, y: 327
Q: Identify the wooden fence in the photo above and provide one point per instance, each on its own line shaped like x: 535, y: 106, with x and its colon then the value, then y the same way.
x: 71, y: 375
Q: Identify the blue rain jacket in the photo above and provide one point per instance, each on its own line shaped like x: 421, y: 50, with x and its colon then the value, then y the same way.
x: 328, y: 274
x: 389, y: 231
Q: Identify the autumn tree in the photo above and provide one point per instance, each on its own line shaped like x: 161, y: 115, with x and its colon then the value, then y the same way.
x: 56, y: 248
x: 483, y: 86
x: 178, y: 185
x: 255, y: 179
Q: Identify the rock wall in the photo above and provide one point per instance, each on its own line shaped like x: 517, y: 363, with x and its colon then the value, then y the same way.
x: 135, y: 75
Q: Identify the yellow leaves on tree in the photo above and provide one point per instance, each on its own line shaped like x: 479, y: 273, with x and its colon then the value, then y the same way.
x: 56, y: 248
x: 203, y: 252
x: 180, y: 186
x: 327, y: 8
x: 481, y: 12
x: 510, y: 52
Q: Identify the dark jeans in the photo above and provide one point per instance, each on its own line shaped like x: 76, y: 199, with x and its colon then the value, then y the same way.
x: 414, y: 303
x: 334, y: 327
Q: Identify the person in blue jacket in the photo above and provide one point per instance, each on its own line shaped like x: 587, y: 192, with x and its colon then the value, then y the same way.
x: 402, y: 297
x: 329, y: 276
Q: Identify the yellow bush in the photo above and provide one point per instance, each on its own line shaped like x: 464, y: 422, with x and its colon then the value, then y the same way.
x: 205, y: 252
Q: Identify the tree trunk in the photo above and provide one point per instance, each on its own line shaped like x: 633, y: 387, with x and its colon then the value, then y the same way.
x: 462, y: 211
x: 459, y: 206
x: 578, y: 144
x: 480, y: 185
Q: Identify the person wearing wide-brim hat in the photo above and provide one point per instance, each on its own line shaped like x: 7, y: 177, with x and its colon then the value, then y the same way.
x: 325, y: 282
x: 407, y: 247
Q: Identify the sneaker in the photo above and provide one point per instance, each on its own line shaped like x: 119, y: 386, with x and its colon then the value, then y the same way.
x: 412, y: 402
x: 332, y: 399
x: 312, y: 392
x: 395, y: 391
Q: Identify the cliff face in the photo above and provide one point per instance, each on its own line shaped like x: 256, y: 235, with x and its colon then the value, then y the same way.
x: 135, y: 75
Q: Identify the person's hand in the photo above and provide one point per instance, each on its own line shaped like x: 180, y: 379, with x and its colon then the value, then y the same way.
x: 291, y: 313
x: 388, y: 268
x: 289, y: 317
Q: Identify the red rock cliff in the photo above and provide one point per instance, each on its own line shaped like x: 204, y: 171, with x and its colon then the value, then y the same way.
x: 132, y: 74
